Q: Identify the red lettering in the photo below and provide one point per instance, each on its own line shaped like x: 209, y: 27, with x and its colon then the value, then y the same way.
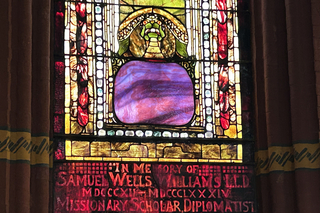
x: 228, y: 207
x: 96, y: 192
x: 226, y: 193
x: 117, y: 180
x: 124, y: 205
x: 84, y: 205
x: 124, y: 168
x: 212, y: 191
x: 60, y: 203
x: 218, y: 207
x: 245, y: 181
x: 176, y: 205
x: 139, y: 168
x: 202, y: 193
x: 109, y: 205
x: 187, y: 205
x: 148, y: 168
x: 97, y: 180
x: 179, y: 168
x: 86, y: 192
x: 198, y: 205
x: 116, y: 205
x: 129, y: 180
x: 82, y: 180
x: 148, y: 181
x: 189, y: 169
x: 217, y: 181
x: 93, y: 205
x: 123, y: 192
x: 71, y: 181
x: 101, y: 205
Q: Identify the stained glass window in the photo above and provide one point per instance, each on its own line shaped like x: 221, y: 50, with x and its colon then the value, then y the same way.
x: 152, y: 87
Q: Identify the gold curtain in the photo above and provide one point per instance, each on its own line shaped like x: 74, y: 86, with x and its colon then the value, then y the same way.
x: 24, y: 108
x: 286, y: 65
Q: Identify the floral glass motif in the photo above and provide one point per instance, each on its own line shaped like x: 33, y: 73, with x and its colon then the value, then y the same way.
x: 149, y: 69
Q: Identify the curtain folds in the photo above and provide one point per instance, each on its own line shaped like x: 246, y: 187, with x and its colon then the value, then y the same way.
x: 286, y: 60
x: 24, y: 110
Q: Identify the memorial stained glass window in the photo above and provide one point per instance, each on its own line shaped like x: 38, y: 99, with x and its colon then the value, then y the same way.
x: 152, y: 106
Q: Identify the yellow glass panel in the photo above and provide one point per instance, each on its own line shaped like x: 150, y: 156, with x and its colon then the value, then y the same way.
x: 74, y: 90
x: 130, y: 159
x: 93, y: 158
x: 74, y: 158
x: 88, y: 8
x: 228, y: 151
x: 232, y: 98
x: 237, y: 75
x: 110, y: 101
x: 67, y: 95
x: 66, y: 20
x: 134, y: 151
x: 80, y: 148
x: 160, y: 148
x: 75, y: 127
x: 67, y: 123
x: 169, y: 160
x: 231, y: 132
x: 68, y: 148
x: 111, y: 159
x: 176, y: 152
x: 90, y: 88
x: 211, y: 151
x: 238, y: 119
x: 89, y: 23
x: 219, y: 130
x: 151, y: 149
x: 121, y: 146
x: 100, y: 149
x: 189, y: 147
x: 225, y: 161
x: 240, y: 151
x: 189, y: 160
x: 238, y: 95
x: 149, y: 159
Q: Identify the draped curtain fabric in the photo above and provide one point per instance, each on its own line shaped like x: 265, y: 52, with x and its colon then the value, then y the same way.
x: 24, y: 108
x: 286, y: 39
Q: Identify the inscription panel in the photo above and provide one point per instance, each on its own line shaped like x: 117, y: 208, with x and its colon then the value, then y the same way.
x: 153, y: 187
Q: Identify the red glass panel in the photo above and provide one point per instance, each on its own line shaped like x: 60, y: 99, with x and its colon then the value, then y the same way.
x: 82, y: 37
x: 59, y: 27
x: 58, y: 121
x: 222, y: 40
x: 84, y: 97
x: 81, y: 9
x: 222, y: 6
x: 58, y: 96
x: 83, y: 69
x: 59, y: 87
x: 83, y: 117
x: 224, y: 97
x: 59, y: 153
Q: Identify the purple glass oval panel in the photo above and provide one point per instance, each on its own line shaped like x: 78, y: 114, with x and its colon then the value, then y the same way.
x: 153, y: 93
